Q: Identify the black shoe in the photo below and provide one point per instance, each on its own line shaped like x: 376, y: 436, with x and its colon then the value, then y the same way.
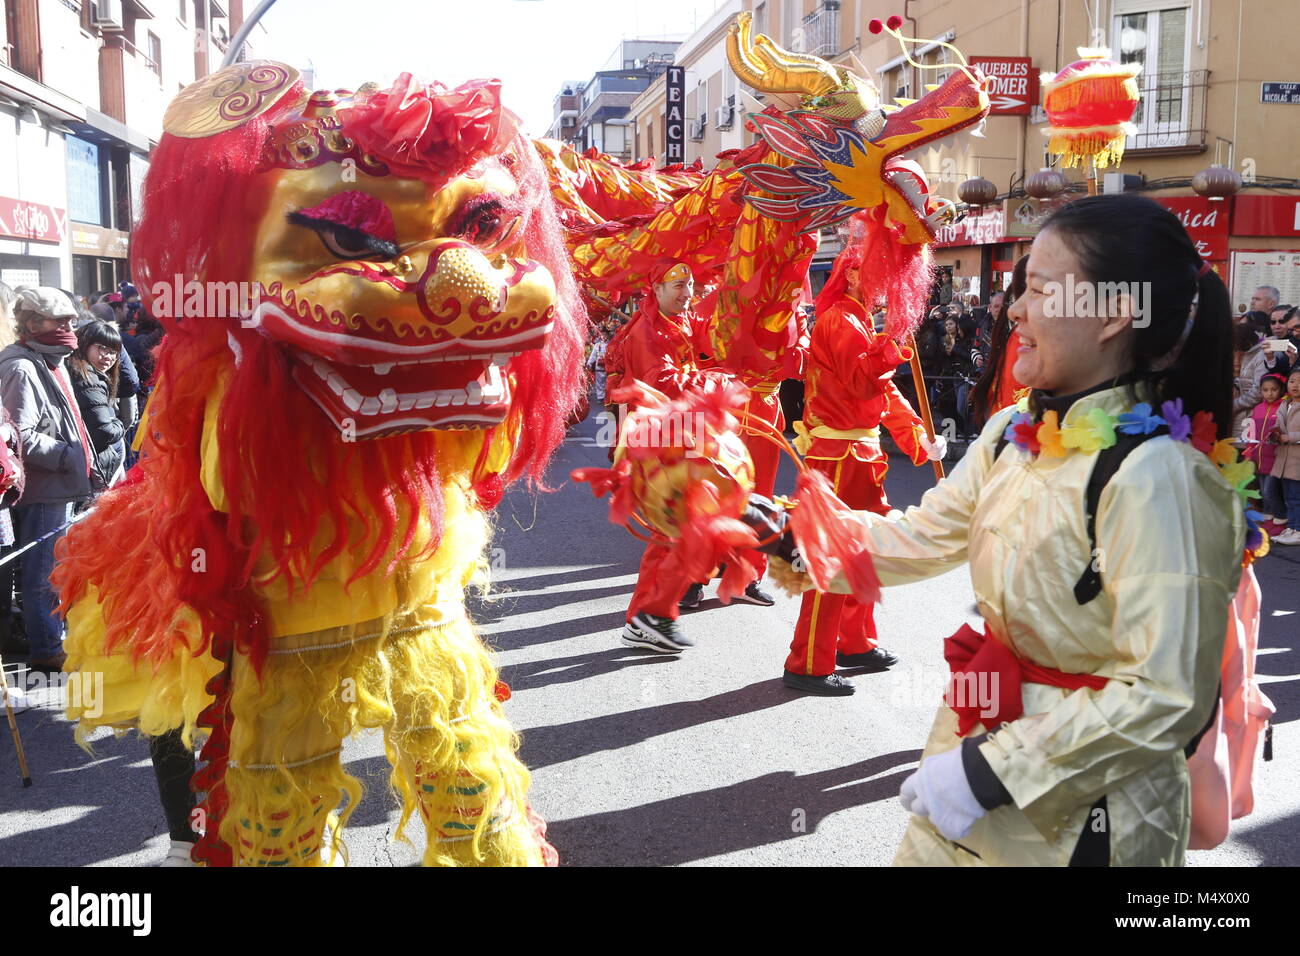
x: 692, y: 598
x: 660, y: 634
x: 873, y: 660
x: 756, y: 595
x: 832, y: 685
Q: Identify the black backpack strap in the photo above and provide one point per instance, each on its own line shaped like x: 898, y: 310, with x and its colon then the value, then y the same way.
x: 1103, y: 470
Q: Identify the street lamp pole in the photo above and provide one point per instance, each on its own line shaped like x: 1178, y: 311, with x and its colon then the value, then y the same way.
x: 237, y: 41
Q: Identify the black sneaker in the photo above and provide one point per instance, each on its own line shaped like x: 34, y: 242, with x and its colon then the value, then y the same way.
x: 692, y: 598
x: 831, y: 685
x: 660, y: 634
x: 756, y: 595
x: 875, y: 659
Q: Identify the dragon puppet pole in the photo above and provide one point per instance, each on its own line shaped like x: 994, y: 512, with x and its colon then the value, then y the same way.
x: 923, y: 404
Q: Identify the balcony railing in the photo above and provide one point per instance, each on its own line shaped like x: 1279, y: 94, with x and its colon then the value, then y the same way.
x: 820, y: 32
x: 1171, y: 113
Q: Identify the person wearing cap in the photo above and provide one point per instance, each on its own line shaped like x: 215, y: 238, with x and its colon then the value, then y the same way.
x: 665, y: 346
x: 37, y: 394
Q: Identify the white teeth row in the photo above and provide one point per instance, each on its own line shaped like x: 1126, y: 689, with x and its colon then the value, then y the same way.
x: 388, y: 401
x: 500, y: 358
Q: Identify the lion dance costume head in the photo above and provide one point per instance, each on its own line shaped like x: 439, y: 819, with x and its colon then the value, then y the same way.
x: 371, y: 329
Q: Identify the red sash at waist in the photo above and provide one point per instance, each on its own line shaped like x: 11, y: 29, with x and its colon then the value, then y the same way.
x: 986, y: 679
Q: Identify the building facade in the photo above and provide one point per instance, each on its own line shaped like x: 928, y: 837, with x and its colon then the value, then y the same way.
x: 568, y: 104
x: 83, y: 89
x: 594, y: 113
x: 714, y: 118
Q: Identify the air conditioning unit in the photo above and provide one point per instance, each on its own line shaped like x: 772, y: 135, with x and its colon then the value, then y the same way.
x: 724, y: 116
x: 696, y: 129
x: 108, y: 14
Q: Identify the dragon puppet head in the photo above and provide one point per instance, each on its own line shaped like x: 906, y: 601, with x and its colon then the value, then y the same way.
x: 847, y: 148
x: 400, y: 244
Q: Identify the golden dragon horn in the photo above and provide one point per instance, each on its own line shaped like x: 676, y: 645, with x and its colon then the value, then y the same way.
x: 765, y: 66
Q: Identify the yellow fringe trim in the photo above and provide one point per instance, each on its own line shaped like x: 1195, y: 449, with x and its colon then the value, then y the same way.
x: 1106, y: 149
x: 453, y: 752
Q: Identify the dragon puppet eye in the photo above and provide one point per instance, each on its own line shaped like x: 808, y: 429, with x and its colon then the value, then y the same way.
x: 352, y: 225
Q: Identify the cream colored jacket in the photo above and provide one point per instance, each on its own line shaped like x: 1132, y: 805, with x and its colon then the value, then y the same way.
x: 1170, y: 533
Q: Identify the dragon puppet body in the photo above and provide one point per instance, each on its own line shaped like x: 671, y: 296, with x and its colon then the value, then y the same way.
x: 288, y: 561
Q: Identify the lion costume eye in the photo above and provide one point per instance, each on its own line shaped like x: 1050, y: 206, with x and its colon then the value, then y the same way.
x: 487, y: 220
x: 345, y: 242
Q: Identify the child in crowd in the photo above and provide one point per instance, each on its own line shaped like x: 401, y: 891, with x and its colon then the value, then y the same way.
x: 1261, y: 448
x: 1286, y: 464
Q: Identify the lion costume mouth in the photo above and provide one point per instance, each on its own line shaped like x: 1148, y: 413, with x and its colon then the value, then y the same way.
x: 383, y: 384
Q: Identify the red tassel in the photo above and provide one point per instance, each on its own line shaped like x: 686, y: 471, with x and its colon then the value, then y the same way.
x: 827, y: 534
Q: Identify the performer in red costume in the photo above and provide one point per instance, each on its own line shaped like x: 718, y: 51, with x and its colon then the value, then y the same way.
x: 850, y: 393
x: 666, y: 346
x: 763, y: 416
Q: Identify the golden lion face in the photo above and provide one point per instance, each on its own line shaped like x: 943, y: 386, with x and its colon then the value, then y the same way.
x: 389, y: 260
x: 401, y: 303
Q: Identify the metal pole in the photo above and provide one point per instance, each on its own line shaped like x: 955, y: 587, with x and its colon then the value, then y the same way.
x: 237, y: 41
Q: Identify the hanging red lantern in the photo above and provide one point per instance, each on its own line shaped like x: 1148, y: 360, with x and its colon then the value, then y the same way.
x: 1216, y: 182
x: 977, y: 192
x: 1089, y: 105
x: 1045, y: 184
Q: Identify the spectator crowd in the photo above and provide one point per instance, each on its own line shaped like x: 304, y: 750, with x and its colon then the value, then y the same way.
x: 74, y: 376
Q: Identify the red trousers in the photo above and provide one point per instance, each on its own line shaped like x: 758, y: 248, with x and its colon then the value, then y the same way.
x: 649, y: 573
x: 831, y: 622
x: 766, y: 456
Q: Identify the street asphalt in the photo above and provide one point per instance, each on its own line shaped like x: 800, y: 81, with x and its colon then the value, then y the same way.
x: 642, y: 759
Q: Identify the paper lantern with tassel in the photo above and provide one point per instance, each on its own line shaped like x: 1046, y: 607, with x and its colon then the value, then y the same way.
x: 1089, y: 105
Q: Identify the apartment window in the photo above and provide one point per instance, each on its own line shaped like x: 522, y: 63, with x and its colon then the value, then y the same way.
x: 760, y: 17
x: 1157, y: 40
x: 897, y: 82
x: 155, y: 54
x: 792, y: 24
x: 87, y: 13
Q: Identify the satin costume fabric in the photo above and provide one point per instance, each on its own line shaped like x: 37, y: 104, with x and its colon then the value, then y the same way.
x: 1170, y: 533
x: 850, y: 392
x: 664, y: 352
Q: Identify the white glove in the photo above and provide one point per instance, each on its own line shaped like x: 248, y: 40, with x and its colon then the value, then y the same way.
x: 934, y: 448
x: 941, y: 792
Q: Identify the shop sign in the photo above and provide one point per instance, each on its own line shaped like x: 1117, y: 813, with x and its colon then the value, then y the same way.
x: 90, y: 240
x: 1014, y: 86
x: 1266, y: 216
x: 32, y: 220
x: 1205, y: 220
x: 1025, y: 216
x: 975, y: 230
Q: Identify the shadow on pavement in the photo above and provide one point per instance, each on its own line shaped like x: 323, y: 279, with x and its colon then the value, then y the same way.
x: 88, y: 808
x: 565, y: 670
x: 754, y: 813
x: 508, y: 640
x: 556, y: 743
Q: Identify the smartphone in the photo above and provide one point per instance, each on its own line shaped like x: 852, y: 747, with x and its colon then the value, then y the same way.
x: 1278, y: 345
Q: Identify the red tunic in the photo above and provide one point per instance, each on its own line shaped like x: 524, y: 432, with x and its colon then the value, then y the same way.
x: 850, y: 386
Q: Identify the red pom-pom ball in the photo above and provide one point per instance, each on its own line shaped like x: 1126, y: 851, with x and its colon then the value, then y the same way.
x: 895, y: 22
x: 875, y: 26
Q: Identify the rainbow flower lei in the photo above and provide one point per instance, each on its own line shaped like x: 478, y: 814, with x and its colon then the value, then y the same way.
x: 1098, y: 429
